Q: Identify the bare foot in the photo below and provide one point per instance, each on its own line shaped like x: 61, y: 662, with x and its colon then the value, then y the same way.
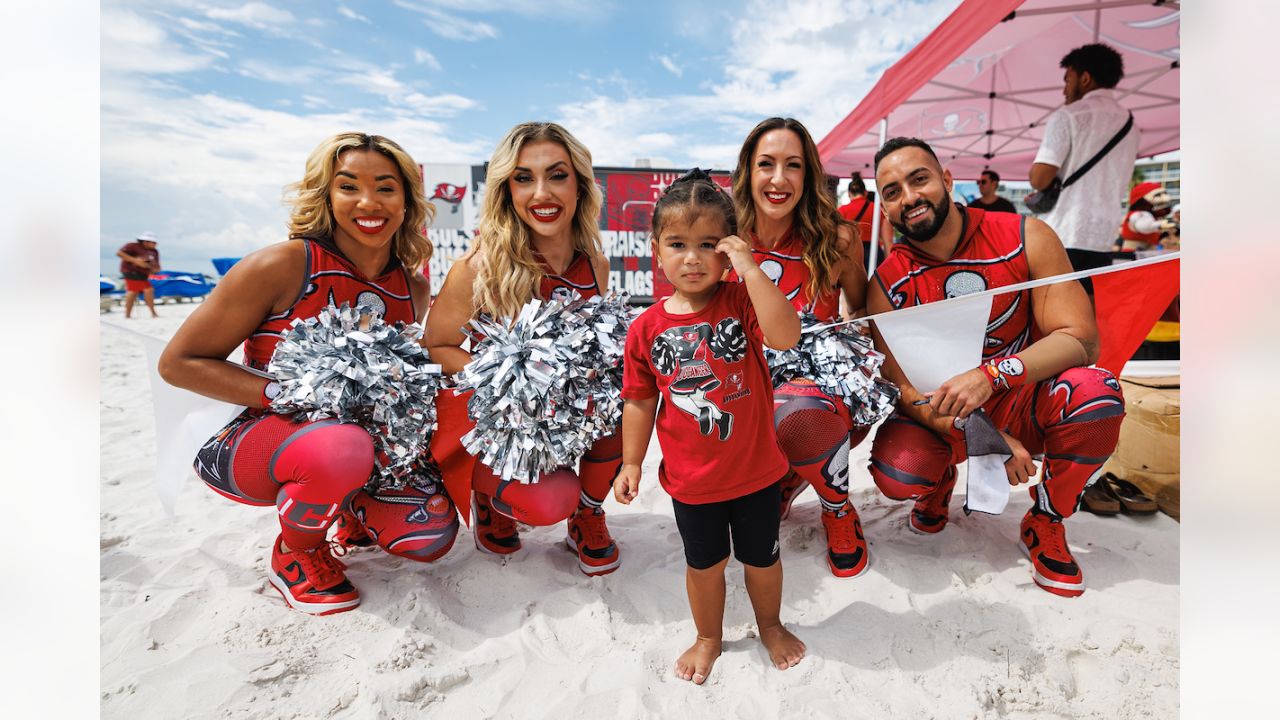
x: 785, y: 649
x: 695, y: 663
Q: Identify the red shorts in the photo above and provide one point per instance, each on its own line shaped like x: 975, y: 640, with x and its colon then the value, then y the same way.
x: 137, y: 285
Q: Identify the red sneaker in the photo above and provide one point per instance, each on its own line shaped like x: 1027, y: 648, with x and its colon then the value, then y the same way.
x: 846, y: 547
x: 1044, y: 540
x: 494, y: 532
x: 312, y: 581
x: 929, y: 515
x: 349, y: 532
x: 791, y: 485
x: 589, y: 537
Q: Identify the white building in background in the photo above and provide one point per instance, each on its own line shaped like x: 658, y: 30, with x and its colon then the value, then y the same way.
x: 1167, y: 172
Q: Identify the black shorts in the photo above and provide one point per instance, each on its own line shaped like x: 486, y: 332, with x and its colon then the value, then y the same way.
x: 1087, y: 260
x: 751, y: 519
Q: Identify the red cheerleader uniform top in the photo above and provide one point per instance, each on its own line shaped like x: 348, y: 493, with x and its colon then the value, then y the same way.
x: 579, y: 276
x: 784, y: 265
x: 991, y: 254
x: 331, y: 279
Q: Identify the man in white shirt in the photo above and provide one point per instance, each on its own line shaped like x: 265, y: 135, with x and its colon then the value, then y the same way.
x: 1089, y: 211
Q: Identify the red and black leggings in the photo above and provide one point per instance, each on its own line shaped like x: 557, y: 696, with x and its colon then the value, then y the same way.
x: 1073, y: 419
x: 816, y: 434
x: 308, y: 470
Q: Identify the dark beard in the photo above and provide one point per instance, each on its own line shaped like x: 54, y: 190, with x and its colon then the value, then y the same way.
x: 926, y: 233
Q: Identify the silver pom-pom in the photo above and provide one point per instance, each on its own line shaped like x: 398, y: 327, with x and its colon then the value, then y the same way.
x: 349, y: 364
x: 546, y: 386
x: 841, y: 362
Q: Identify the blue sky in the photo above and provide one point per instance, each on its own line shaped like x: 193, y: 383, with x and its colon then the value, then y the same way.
x: 209, y: 108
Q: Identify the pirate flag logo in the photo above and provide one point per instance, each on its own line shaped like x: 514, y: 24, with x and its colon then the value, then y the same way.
x: 451, y: 194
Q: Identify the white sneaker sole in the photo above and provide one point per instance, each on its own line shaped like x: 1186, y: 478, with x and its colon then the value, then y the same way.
x: 912, y: 527
x: 1046, y: 582
x: 475, y: 535
x: 308, y: 607
x: 859, y: 574
x: 592, y: 569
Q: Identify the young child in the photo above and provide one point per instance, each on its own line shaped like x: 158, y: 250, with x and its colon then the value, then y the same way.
x: 700, y: 349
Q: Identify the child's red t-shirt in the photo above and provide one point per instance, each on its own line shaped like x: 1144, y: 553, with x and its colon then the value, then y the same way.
x: 715, y: 419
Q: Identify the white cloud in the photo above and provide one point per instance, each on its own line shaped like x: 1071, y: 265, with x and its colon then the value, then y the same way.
x: 201, y: 26
x: 383, y: 81
x: 670, y: 65
x: 450, y: 25
x: 439, y: 105
x: 810, y: 59
x: 447, y: 18
x: 210, y: 172
x: 375, y: 80
x: 283, y: 74
x: 132, y: 43
x: 576, y: 9
x: 254, y: 14
x: 619, y: 131
x: 350, y: 14
x: 424, y: 57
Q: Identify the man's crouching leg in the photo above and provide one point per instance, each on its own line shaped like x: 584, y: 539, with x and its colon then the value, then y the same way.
x: 910, y: 462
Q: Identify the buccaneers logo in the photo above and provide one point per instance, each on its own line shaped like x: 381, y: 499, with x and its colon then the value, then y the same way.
x: 451, y: 194
x: 682, y: 353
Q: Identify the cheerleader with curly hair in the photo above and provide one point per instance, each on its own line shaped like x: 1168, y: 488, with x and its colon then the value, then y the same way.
x: 356, y: 237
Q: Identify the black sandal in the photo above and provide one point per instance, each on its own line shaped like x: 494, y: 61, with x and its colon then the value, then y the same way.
x: 1098, y: 500
x: 1132, y: 499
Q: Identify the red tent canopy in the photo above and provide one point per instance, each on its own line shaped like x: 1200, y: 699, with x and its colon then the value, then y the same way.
x: 981, y: 85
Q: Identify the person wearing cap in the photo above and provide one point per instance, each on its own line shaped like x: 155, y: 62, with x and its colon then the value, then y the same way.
x: 138, y: 260
x: 1148, y: 217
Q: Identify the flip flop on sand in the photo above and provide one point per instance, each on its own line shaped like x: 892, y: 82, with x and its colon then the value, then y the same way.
x: 1099, y: 500
x: 1132, y: 500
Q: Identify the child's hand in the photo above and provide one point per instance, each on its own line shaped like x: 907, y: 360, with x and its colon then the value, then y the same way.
x: 739, y: 253
x: 627, y: 485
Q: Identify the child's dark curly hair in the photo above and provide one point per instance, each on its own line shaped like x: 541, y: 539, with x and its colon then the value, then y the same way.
x: 688, y: 197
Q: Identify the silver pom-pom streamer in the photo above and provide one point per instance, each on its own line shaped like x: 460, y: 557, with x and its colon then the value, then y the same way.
x: 841, y: 362
x: 349, y: 364
x: 546, y: 386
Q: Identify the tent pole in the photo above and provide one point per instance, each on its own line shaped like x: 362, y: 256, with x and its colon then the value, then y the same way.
x: 875, y: 208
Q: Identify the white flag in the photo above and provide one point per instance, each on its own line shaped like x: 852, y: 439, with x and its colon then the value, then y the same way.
x: 932, y: 344
x: 184, y: 422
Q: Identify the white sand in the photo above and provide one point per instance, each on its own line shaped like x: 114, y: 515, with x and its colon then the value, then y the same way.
x: 944, y: 626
